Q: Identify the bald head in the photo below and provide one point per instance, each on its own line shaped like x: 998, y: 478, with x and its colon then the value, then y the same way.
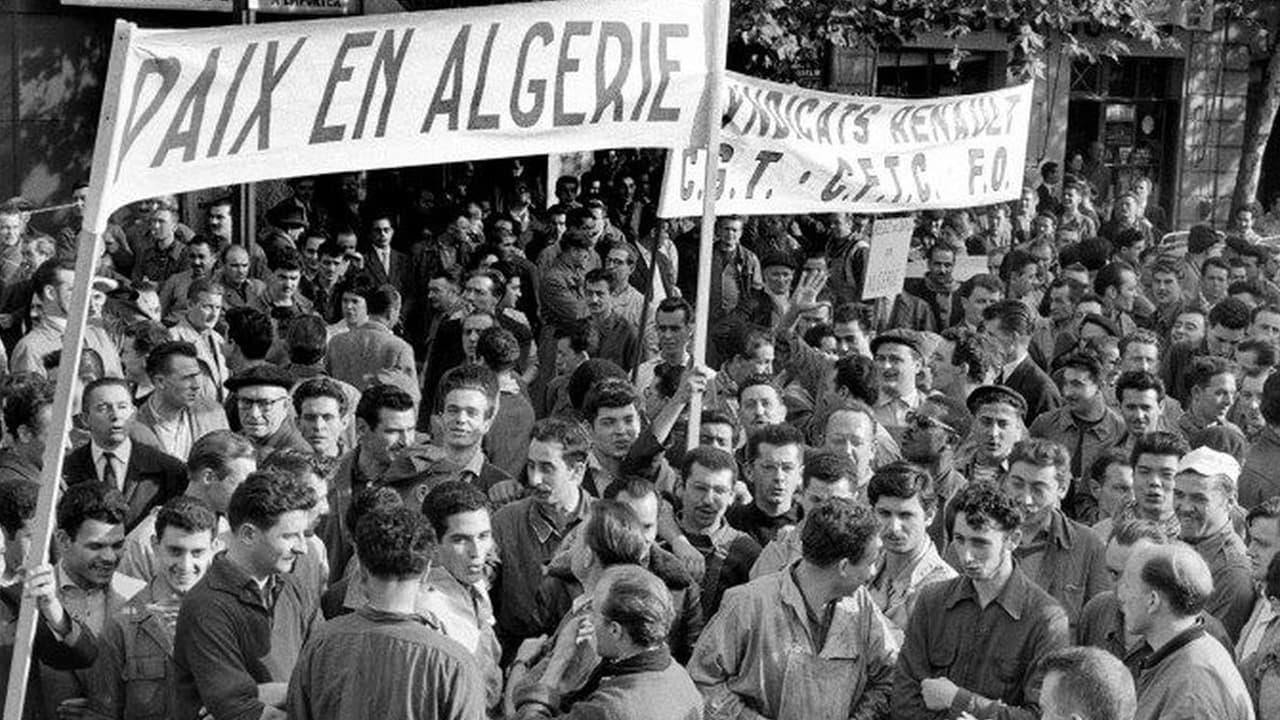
x: 1176, y: 573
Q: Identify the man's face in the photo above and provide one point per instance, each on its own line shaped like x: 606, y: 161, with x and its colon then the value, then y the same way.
x: 472, y: 326
x: 394, y: 432
x: 58, y: 302
x: 981, y: 551
x: 1071, y: 198
x: 263, y: 409
x: 466, y: 417
x: 850, y: 339
x: 92, y: 556
x: 904, y: 524
x: 567, y: 359
x: 218, y: 220
x: 200, y: 257
x: 32, y: 254
x: 759, y: 361
x: 1221, y: 341
x: 599, y: 301
x: 1079, y: 388
x: 1037, y: 490
x: 646, y: 509
x: 1200, y: 502
x: 1188, y: 328
x: 898, y: 365
x: 716, y: 435
x: 479, y: 291
x: 183, y: 556
x: 355, y: 309
x: 205, y: 311
x: 674, y: 331
x: 1116, y: 490
x: 331, y: 269
x: 1140, y: 410
x: 107, y: 413
x: 776, y: 474
x: 550, y: 477
x: 10, y: 229
x: 852, y: 434
x: 180, y: 385
x: 559, y: 223
x: 1249, y: 401
x: 760, y: 406
x: 817, y: 316
x: 236, y: 265
x: 1165, y: 288
x: 348, y: 242
x: 619, y: 265
x: 941, y: 266
x: 945, y: 375
x: 277, y: 549
x: 996, y: 427
x: 321, y: 424
x: 729, y: 234
x: 1024, y: 281
x: 1127, y: 210
x: 1153, y: 478
x: 1125, y: 292
x: 162, y: 225
x: 1214, y: 282
x: 926, y: 437
x: 1143, y: 357
x: 1214, y: 401
x: 1266, y: 326
x: 616, y: 430
x: 707, y: 495
x: 441, y: 294
x: 777, y: 279
x: 1134, y: 596
x: 286, y: 281
x: 978, y: 301
x: 1060, y: 307
x: 465, y: 545
x: 1264, y: 541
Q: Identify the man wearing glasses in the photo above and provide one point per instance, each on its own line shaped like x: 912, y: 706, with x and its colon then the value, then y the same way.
x: 775, y: 465
x: 262, y: 407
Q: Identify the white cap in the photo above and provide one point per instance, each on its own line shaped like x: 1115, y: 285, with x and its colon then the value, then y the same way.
x: 1207, y: 461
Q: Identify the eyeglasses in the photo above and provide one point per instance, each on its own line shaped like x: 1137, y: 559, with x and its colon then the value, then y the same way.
x: 925, y: 422
x: 263, y: 404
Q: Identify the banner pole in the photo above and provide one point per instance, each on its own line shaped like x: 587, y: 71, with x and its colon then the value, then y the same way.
x: 72, y: 342
x: 706, y: 239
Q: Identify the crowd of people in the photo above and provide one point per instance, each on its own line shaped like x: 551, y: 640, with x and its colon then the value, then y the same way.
x: 434, y: 458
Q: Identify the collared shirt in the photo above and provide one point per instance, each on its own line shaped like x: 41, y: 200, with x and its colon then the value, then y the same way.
x: 992, y: 653
x: 119, y: 461
x: 1192, y: 676
x: 1102, y: 626
x: 175, y: 435
x: 618, y: 342
x: 1261, y: 620
x: 138, y: 559
x: 1084, y: 440
x: 209, y: 352
x: 763, y: 528
x: 1068, y: 562
x: 763, y: 652
x: 729, y: 554
x: 92, y: 606
x: 1258, y: 478
x: 781, y: 551
x: 1233, y: 588
x: 892, y: 410
x: 896, y: 595
x: 526, y: 538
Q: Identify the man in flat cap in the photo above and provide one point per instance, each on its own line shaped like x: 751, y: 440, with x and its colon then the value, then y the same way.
x: 262, y: 407
x: 899, y: 358
x: 998, y: 423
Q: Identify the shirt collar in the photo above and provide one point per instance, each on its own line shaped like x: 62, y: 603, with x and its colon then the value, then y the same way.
x: 1012, y: 597
x: 1178, y: 642
x: 542, y: 526
x: 121, y: 453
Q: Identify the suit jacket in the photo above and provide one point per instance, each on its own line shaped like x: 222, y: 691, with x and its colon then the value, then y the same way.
x: 400, y: 270
x: 150, y: 480
x: 1035, y: 387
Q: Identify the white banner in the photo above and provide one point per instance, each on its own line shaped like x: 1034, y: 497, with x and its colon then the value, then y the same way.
x: 319, y: 8
x: 887, y: 257
x: 225, y: 105
x: 225, y: 6
x: 784, y: 149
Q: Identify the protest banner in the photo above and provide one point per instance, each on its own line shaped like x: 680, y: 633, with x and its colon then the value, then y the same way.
x: 218, y: 106
x: 785, y: 149
x: 225, y: 6
x: 887, y: 257
x: 319, y: 8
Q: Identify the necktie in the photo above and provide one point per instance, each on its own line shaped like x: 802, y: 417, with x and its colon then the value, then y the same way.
x: 109, y: 470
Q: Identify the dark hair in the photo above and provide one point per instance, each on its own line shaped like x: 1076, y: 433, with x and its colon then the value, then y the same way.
x: 852, y: 312
x: 296, y: 463
x: 639, y: 601
x: 1085, y: 362
x: 1265, y: 350
x: 145, y: 336
x: 1138, y: 380
x: 202, y: 286
x: 582, y: 336
x: 1180, y: 575
x: 858, y: 375
x: 814, y: 336
x: 669, y: 305
x: 1268, y: 509
x: 1127, y: 533
x: 307, y: 337
x: 1141, y: 336
x: 378, y: 299
x: 498, y: 280
x: 23, y: 403
x: 264, y: 496
x: 1205, y: 368
x: 1015, y: 261
x: 1092, y: 683
x: 1012, y: 315
x: 986, y: 281
x: 381, y: 397
x: 332, y: 248
x: 776, y: 435
x: 587, y: 375
x: 46, y: 274
x: 498, y: 348
x: 571, y: 435
x: 450, y: 498
x: 983, y: 504
x: 251, y: 330
x: 1231, y: 313
x: 284, y: 258
x: 1214, y: 261
x: 598, y: 275
x: 1111, y: 456
x: 1043, y: 453
x: 368, y: 499
x: 470, y: 376
x: 827, y: 467
x: 838, y: 529
x: 614, y: 535
x: 394, y: 543
x: 1272, y: 580
x: 18, y: 498
x: 215, y: 450
x: 96, y: 385
x: 609, y: 393
x: 318, y: 387
x: 158, y: 360
x: 713, y: 459
x: 746, y: 340
x: 1158, y: 443
x: 978, y: 352
x: 188, y: 514
x: 1269, y: 405
x: 904, y: 481
x: 90, y: 501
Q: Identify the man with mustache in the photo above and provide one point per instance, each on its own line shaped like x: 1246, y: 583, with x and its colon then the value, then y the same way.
x: 1203, y: 489
x: 989, y: 628
x: 899, y: 359
x: 708, y: 492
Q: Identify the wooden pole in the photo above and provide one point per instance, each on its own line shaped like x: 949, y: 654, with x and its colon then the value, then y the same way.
x: 706, y: 241
x: 90, y: 248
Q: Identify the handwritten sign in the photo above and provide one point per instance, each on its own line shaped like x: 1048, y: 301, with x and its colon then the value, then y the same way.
x: 887, y: 257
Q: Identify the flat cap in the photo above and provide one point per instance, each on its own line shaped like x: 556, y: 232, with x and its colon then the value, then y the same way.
x: 256, y: 375
x: 987, y: 394
x: 1207, y: 461
x: 905, y: 338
